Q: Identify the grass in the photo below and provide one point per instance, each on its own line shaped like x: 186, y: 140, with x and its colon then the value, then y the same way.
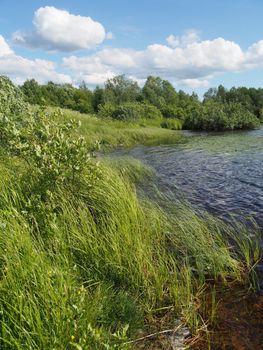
x: 113, y: 133
x: 85, y: 268
x: 104, y: 263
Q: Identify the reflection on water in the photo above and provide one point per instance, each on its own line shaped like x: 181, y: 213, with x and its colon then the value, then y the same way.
x: 219, y: 172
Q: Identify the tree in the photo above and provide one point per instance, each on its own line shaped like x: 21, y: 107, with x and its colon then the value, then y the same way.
x: 32, y: 91
x: 169, y: 93
x: 97, y: 98
x: 119, y: 90
x: 83, y: 100
x: 210, y: 94
x: 153, y: 91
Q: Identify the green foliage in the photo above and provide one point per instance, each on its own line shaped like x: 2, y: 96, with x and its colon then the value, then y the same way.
x: 98, y: 98
x: 173, y: 111
x: 250, y: 98
x: 121, y: 99
x: 108, y: 260
x: 209, y: 116
x: 159, y: 92
x: 150, y: 112
x: 57, y: 95
x: 11, y: 99
x: 106, y: 110
x: 217, y: 116
x: 152, y: 91
x: 239, y: 117
x: 120, y: 90
x: 32, y: 92
x: 129, y: 111
x: 47, y: 146
x: 83, y: 259
x: 112, y: 133
x: 53, y: 154
x: 172, y: 124
x: 83, y: 100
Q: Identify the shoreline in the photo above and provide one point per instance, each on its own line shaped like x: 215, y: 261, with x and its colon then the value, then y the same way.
x: 112, y: 258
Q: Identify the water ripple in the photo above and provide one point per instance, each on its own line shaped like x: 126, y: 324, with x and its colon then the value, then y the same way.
x: 222, y: 173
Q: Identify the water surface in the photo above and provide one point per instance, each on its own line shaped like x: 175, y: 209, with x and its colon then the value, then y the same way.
x: 218, y: 172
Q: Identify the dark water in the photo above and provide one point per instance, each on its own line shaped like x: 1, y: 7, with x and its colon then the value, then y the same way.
x: 218, y: 172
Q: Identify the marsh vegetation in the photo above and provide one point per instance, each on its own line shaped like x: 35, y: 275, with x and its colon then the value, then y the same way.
x: 86, y: 262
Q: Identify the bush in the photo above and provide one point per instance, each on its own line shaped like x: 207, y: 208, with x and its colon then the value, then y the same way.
x: 240, y: 117
x: 130, y: 111
x: 216, y: 116
x: 52, y: 154
x: 127, y: 112
x: 106, y: 110
x: 172, y: 124
x: 150, y: 111
x: 171, y: 111
x: 11, y: 99
x: 58, y: 95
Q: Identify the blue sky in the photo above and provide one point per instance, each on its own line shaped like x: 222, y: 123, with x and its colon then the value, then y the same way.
x: 194, y: 44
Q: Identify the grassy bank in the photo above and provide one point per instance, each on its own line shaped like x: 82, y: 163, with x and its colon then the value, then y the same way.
x: 103, y: 263
x: 112, y: 133
x: 86, y: 263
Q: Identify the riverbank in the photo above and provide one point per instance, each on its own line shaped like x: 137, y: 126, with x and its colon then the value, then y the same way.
x: 88, y: 263
x: 112, y: 133
x: 220, y: 173
x: 238, y: 320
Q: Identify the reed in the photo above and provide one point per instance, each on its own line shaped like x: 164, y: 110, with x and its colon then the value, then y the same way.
x: 105, y: 260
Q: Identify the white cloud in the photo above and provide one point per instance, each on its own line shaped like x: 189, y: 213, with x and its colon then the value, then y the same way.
x: 4, y: 47
x: 254, y: 55
x: 173, y: 40
x: 192, y: 63
x: 186, y: 60
x: 59, y: 30
x: 194, y: 83
x: 95, y: 78
x: 20, y: 69
x: 109, y: 36
x: 189, y: 37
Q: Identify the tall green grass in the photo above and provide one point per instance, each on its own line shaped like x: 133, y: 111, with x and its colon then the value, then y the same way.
x: 112, y: 133
x: 104, y: 261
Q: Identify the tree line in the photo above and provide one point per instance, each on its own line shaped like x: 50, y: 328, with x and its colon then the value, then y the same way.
x: 122, y: 98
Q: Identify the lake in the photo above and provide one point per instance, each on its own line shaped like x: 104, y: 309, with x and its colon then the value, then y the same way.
x: 219, y: 172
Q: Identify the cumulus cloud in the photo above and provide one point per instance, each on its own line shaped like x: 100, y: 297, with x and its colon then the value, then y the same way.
x: 191, y: 62
x: 59, y: 30
x: 4, y: 47
x: 194, y: 83
x: 109, y: 35
x: 189, y: 37
x: 184, y: 60
x: 254, y: 55
x: 20, y: 69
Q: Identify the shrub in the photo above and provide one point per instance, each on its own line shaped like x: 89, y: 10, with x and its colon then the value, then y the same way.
x: 172, y: 124
x: 171, y: 111
x: 240, y: 117
x: 54, y: 157
x: 106, y: 110
x: 11, y: 99
x: 220, y: 116
x: 150, y: 111
x: 129, y: 111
